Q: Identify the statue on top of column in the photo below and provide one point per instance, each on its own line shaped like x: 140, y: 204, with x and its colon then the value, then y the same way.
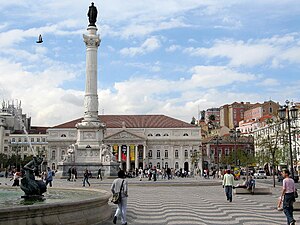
x: 92, y: 14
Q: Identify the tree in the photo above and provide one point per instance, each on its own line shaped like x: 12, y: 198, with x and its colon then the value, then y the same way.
x: 3, y: 160
x: 193, y: 120
x: 270, y: 151
x: 212, y: 117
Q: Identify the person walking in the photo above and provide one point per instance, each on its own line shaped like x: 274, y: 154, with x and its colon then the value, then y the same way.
x: 288, y: 197
x: 99, y: 174
x: 86, y: 178
x: 69, y: 174
x: 49, y: 177
x: 73, y: 173
x: 120, y: 185
x: 228, y: 184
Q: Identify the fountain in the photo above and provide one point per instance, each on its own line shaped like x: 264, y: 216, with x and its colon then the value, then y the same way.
x: 61, y: 206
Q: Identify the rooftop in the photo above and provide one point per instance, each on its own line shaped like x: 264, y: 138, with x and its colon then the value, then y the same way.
x: 134, y: 121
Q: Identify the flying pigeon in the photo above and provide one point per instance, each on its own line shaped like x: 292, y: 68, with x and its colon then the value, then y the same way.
x: 40, y: 39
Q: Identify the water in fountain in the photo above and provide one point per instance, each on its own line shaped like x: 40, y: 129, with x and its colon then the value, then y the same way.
x: 26, y: 133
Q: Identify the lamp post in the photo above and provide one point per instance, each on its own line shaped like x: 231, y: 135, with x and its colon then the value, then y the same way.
x: 288, y: 113
x: 235, y: 134
x: 217, y: 140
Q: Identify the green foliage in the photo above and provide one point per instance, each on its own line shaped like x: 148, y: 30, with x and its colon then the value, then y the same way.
x: 193, y: 121
x: 243, y: 158
x: 212, y: 117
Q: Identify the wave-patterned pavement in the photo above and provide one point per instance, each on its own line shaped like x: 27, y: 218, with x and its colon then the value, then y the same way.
x: 198, y: 205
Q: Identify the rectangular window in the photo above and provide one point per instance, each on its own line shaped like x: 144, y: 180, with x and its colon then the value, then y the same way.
x: 32, y: 139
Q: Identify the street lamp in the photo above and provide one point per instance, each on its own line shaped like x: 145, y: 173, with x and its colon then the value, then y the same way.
x: 288, y: 113
x: 235, y: 134
x: 217, y: 140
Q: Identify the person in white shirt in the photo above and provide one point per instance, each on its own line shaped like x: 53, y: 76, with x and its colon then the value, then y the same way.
x: 228, y: 183
x: 117, y: 187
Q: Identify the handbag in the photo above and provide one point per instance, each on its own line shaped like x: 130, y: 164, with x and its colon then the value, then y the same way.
x: 116, y: 198
x: 296, y: 193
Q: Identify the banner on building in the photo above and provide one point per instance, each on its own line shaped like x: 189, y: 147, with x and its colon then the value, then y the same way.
x: 132, y: 152
x: 116, y: 152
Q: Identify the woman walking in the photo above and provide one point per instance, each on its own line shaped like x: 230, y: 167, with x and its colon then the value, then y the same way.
x: 288, y: 196
x: 120, y: 185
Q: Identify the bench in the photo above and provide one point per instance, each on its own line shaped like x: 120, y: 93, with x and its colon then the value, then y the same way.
x: 257, y: 191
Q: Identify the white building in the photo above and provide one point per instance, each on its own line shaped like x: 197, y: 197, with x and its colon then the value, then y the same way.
x: 148, y: 140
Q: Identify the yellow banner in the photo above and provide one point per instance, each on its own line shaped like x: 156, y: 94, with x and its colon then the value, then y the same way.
x: 132, y: 153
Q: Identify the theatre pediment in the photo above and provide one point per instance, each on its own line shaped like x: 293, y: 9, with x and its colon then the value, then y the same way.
x: 124, y: 135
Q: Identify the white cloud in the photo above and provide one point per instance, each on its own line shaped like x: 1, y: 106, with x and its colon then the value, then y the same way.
x: 269, y: 82
x: 173, y: 48
x: 253, y: 52
x: 149, y: 45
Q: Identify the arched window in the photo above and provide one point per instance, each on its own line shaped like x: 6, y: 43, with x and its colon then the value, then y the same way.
x: 150, y: 154
x: 158, y: 135
x: 63, y: 135
x: 53, y: 166
x: 13, y: 140
x: 185, y: 134
x: 176, y: 154
x: 166, y: 154
x: 166, y: 134
x: 186, y: 153
x: 166, y: 165
x: 53, y: 155
x: 62, y: 154
x: 150, y: 134
x: 176, y: 165
x: 158, y: 154
x: 158, y: 165
x: 150, y: 165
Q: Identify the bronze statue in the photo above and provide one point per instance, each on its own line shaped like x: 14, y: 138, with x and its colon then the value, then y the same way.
x: 29, y: 185
x: 92, y: 14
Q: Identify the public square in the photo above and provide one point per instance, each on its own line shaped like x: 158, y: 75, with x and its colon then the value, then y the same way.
x: 170, y: 202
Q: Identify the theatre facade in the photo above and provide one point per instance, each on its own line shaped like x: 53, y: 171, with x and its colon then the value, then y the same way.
x: 136, y: 141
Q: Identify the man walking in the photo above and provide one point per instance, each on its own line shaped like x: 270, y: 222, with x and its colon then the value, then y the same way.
x: 120, y: 185
x: 86, y: 178
x: 228, y: 184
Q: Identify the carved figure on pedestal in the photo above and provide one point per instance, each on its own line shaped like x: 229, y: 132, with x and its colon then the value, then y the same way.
x: 107, y: 155
x: 92, y: 14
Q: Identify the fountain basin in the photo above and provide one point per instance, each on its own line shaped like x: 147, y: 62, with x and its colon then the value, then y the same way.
x: 89, y: 207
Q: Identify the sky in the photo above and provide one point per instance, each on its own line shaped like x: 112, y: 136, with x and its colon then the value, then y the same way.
x: 170, y: 57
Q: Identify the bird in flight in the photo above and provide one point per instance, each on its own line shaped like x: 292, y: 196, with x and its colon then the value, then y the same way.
x: 40, y: 39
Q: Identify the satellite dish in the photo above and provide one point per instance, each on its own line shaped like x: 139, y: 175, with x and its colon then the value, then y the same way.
x: 40, y: 39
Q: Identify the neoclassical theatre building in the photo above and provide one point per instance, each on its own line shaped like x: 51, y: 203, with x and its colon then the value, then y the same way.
x: 136, y: 141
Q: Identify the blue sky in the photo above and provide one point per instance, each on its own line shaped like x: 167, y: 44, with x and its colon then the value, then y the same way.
x: 169, y: 57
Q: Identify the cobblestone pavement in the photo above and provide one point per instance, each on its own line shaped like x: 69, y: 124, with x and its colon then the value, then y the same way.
x: 155, y: 203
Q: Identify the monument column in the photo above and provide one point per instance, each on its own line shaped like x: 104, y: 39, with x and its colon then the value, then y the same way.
x: 90, y: 130
x: 136, y: 157
x: 119, y: 153
x: 92, y: 42
x: 128, y: 158
x: 144, y: 156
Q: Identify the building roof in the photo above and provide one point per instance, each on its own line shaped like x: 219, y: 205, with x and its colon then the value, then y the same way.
x: 134, y: 121
x: 33, y: 130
